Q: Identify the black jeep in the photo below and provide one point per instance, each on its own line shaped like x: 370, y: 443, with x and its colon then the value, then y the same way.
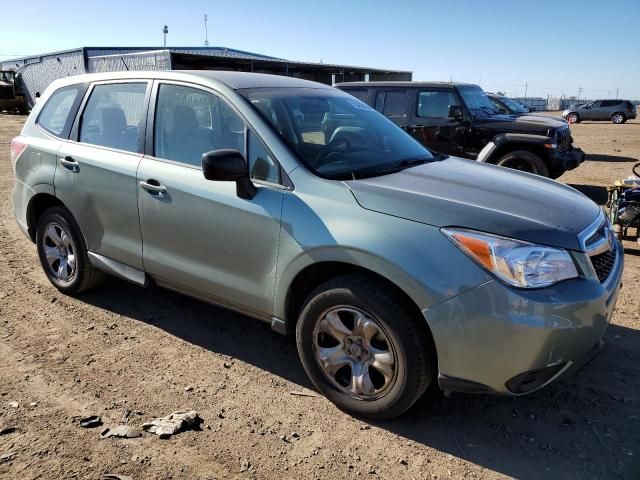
x: 459, y: 119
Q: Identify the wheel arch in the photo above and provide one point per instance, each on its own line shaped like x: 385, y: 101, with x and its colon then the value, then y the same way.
x: 505, y: 143
x: 36, y: 207
x: 624, y: 117
x: 315, y: 274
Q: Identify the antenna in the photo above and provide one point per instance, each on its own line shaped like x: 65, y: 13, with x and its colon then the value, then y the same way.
x: 206, y: 32
x: 165, y: 30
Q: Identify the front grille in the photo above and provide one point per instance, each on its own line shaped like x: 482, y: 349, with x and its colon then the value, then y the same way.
x: 564, y: 140
x: 603, y: 264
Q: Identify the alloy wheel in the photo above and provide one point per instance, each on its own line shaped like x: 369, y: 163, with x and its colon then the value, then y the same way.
x: 617, y: 118
x: 60, y: 252
x: 355, y: 353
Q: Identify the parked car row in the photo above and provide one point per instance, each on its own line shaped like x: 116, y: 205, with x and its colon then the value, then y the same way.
x: 396, y: 268
x: 460, y: 119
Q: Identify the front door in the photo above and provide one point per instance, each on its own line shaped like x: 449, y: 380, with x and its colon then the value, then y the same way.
x: 431, y: 124
x: 96, y: 173
x: 199, y: 236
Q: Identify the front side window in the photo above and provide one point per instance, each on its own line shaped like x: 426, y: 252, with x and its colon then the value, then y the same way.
x: 113, y: 114
x: 435, y: 103
x: 334, y: 134
x: 55, y: 114
x: 361, y: 94
x: 190, y: 122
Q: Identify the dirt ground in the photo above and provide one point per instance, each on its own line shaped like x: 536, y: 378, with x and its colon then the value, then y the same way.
x: 152, y: 352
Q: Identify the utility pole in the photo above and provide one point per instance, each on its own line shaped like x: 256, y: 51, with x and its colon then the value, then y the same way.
x: 617, y: 91
x: 526, y: 86
x: 165, y: 30
x: 206, y: 33
x: 579, y: 92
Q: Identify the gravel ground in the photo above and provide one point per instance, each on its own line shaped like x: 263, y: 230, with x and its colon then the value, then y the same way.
x: 123, y: 348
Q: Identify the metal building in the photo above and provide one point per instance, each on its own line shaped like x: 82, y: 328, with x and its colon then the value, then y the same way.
x: 37, y: 72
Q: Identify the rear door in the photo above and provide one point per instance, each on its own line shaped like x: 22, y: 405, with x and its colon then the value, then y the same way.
x: 96, y: 173
x: 431, y: 124
x: 199, y: 236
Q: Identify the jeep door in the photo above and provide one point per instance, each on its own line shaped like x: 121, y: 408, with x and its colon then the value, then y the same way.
x: 199, y: 236
x: 96, y: 173
x: 430, y: 121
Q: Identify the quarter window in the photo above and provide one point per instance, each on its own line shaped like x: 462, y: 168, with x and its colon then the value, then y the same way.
x: 190, y: 122
x: 435, y: 103
x: 55, y: 114
x: 262, y: 166
x: 113, y: 114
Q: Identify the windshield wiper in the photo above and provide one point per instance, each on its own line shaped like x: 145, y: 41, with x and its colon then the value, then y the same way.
x: 397, y: 167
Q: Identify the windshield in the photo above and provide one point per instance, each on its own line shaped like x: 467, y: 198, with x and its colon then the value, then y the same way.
x: 334, y: 134
x: 513, y: 105
x: 476, y: 100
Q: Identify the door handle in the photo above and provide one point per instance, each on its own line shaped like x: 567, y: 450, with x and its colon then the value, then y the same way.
x: 155, y: 188
x: 70, y: 164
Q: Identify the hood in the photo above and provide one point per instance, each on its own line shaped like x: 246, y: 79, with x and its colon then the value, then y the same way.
x: 525, y: 123
x: 463, y: 193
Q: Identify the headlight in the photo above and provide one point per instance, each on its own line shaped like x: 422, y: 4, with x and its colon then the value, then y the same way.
x: 516, y: 263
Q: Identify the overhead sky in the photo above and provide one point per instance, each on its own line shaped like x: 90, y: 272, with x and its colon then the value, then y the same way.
x: 554, y: 47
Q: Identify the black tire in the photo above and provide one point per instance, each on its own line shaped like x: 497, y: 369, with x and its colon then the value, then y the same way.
x: 410, y: 343
x: 83, y: 276
x: 525, y: 161
x: 618, y: 118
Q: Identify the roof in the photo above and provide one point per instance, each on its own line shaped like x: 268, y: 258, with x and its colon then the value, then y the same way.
x: 402, y: 84
x: 102, y: 51
x: 234, y: 80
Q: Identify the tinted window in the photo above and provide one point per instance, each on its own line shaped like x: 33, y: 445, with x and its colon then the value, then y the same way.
x: 436, y: 103
x: 361, y: 94
x: 334, y: 134
x: 262, y: 166
x: 609, y: 103
x: 113, y: 114
x: 55, y: 113
x: 395, y: 104
x: 190, y: 122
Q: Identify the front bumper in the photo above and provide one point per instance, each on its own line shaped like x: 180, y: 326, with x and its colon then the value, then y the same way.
x: 567, y: 160
x: 498, y: 339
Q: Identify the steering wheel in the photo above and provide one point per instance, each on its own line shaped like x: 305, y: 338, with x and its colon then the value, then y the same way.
x: 338, y: 145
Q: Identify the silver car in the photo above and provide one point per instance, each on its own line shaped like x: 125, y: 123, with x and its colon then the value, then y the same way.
x: 299, y: 205
x: 617, y: 111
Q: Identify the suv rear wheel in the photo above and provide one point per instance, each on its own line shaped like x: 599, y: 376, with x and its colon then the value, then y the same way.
x: 525, y: 161
x: 63, y: 253
x: 363, y: 349
x: 618, y: 118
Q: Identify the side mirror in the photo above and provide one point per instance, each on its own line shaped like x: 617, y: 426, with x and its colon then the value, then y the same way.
x: 229, y: 166
x: 455, y: 112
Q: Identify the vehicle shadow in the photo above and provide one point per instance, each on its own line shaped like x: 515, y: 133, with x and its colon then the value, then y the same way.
x: 596, y: 157
x: 583, y: 427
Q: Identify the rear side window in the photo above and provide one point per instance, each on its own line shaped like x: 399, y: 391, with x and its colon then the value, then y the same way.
x: 436, y: 103
x: 113, y: 114
x: 361, y: 94
x: 392, y: 103
x: 54, y: 116
x: 190, y: 122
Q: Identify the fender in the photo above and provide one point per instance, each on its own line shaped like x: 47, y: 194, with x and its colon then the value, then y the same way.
x: 503, y: 139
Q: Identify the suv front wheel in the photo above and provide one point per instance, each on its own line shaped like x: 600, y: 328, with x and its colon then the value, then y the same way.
x: 363, y: 349
x: 525, y: 161
x: 63, y: 254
